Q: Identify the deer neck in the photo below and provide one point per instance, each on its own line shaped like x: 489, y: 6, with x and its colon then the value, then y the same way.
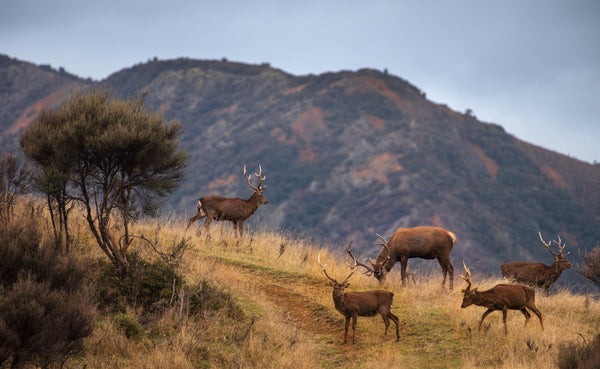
x: 253, y: 202
x: 559, y: 266
x: 483, y: 298
x: 339, y: 299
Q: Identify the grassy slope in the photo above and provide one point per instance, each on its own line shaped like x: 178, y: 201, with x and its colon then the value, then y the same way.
x: 291, y: 322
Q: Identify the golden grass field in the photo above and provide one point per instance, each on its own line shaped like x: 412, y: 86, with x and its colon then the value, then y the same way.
x: 289, y: 320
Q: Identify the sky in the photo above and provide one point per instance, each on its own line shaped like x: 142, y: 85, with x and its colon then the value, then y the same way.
x: 531, y: 66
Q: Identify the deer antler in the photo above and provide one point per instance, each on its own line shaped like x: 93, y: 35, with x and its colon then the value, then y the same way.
x: 466, y: 277
x: 369, y: 271
x: 260, y: 178
x: 323, y: 266
x: 558, y: 243
x: 383, y: 242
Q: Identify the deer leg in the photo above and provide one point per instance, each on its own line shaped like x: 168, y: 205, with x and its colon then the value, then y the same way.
x: 504, y: 314
x: 527, y: 315
x: 546, y: 292
x: 450, y: 268
x: 395, y: 320
x: 354, y: 317
x: 206, y: 224
x: 538, y: 314
x: 447, y: 268
x: 241, y: 228
x: 487, y: 312
x: 196, y: 217
x: 444, y: 271
x: 235, y: 227
x: 403, y: 266
x: 346, y: 328
x: 386, y: 321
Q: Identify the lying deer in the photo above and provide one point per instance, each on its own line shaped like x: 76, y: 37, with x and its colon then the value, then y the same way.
x: 365, y: 303
x: 501, y: 297
x: 417, y: 242
x: 231, y: 209
x: 538, y: 274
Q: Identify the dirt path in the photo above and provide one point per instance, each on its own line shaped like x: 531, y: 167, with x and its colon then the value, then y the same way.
x: 304, y: 313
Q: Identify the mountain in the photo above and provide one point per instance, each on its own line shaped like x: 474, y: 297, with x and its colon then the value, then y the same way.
x: 346, y: 155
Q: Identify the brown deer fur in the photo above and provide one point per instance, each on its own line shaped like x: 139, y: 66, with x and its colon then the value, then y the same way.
x: 537, y: 274
x: 365, y: 303
x: 502, y: 297
x: 418, y: 242
x: 235, y: 210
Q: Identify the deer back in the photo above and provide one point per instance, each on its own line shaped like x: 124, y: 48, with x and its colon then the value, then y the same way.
x: 501, y: 296
x: 421, y: 242
x: 536, y: 274
x: 226, y: 208
x: 365, y: 303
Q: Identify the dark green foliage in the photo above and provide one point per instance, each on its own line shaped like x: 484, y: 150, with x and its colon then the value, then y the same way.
x: 206, y: 297
x: 580, y: 356
x: 45, y: 299
x: 148, y: 285
x: 113, y: 156
x: 156, y: 286
x: 133, y: 329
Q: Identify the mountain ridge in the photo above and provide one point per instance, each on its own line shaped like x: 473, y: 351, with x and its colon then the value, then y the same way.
x: 350, y: 154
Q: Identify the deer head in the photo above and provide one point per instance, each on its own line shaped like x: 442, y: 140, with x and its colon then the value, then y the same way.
x: 560, y: 259
x: 258, y: 190
x: 338, y: 287
x: 379, y: 269
x: 468, y: 293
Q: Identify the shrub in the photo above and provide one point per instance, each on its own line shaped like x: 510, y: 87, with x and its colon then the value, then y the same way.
x: 591, y: 266
x: 132, y: 328
x: 148, y: 285
x: 583, y: 356
x: 46, y: 305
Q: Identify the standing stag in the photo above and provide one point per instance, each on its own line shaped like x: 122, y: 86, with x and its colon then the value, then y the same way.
x: 501, y: 297
x: 418, y: 242
x: 235, y: 210
x: 365, y: 303
x: 538, y: 274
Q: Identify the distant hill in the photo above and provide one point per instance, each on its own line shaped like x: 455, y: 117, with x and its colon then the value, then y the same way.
x: 347, y: 155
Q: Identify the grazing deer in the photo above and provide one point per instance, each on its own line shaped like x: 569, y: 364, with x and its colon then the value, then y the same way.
x: 231, y: 209
x: 365, y: 303
x: 538, y: 274
x: 418, y: 242
x: 501, y: 297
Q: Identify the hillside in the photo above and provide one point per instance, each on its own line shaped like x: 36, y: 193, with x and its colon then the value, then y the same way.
x: 348, y: 155
x: 264, y: 302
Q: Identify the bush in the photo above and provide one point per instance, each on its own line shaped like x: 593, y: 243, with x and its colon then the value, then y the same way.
x: 591, y: 266
x: 46, y: 305
x: 156, y: 286
x: 132, y: 328
x: 585, y: 356
x: 148, y: 285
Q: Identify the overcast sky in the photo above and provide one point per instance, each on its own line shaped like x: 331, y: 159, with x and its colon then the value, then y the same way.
x: 532, y: 67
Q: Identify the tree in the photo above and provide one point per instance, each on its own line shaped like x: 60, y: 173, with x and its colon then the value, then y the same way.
x: 15, y: 179
x: 591, y: 265
x: 113, y: 156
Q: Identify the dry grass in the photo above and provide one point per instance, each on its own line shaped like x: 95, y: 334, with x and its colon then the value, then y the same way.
x: 260, y: 274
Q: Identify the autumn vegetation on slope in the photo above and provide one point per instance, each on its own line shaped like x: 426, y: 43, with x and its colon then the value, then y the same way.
x: 91, y: 280
x: 263, y: 301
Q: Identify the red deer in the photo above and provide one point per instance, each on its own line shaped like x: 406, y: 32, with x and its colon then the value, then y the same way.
x: 365, y: 303
x: 418, y: 242
x: 501, y: 297
x: 231, y: 209
x: 537, y: 274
